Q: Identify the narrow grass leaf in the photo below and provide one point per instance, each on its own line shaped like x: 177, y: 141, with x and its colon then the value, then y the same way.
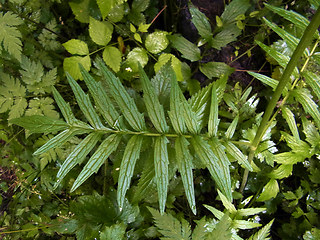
x: 130, y: 156
x: 108, y: 146
x: 101, y: 99
x: 203, y: 150
x: 63, y: 106
x: 161, y: 163
x: 238, y: 155
x: 85, y: 104
x: 124, y: 101
x: 77, y: 155
x: 184, y: 160
x: 213, y: 122
x: 57, y: 141
x: 232, y: 128
x: 176, y: 112
x: 305, y: 98
x: 154, y: 108
x: 313, y: 80
x: 289, y: 117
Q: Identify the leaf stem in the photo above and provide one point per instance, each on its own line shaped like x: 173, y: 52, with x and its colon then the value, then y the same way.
x: 285, y: 78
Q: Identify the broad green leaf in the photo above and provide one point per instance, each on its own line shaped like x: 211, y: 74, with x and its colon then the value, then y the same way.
x: 298, y: 20
x: 130, y: 156
x: 63, y: 106
x: 84, y: 9
x: 40, y: 124
x: 85, y: 104
x: 77, y: 156
x: 124, y: 101
x: 288, y: 158
x: 310, y: 107
x: 100, y: 32
x: 157, y: 42
x: 58, y: 140
x: 140, y: 5
x: 115, y: 231
x: 10, y: 36
x: 201, y: 23
x: 250, y: 211
x: 184, y: 160
x: 161, y: 163
x: 154, y: 108
x: 227, y: 35
x: 112, y: 57
x: 71, y: 65
x: 75, y: 46
x: 108, y: 146
x: 238, y: 155
x: 105, y: 6
x: 313, y: 80
x: 170, y: 227
x: 311, y: 132
x: 176, y: 112
x: 188, y: 50
x: 135, y: 56
x: 101, y: 99
x: 289, y: 117
x: 263, y: 233
x: 232, y: 128
x: 203, y: 150
x: 297, y: 146
x: 264, y: 79
x: 117, y: 13
x: 233, y: 10
x: 214, y: 120
x: 227, y: 204
x: 283, y: 171
x: 269, y: 191
x: 175, y: 63
x: 216, y: 69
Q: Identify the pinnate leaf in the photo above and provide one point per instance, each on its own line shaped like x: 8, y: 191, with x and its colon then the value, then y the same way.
x: 108, y: 146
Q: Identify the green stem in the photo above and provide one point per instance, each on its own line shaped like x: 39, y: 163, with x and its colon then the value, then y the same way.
x: 285, y: 78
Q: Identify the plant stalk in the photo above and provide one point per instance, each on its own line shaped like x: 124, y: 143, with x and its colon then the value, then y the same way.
x: 285, y: 78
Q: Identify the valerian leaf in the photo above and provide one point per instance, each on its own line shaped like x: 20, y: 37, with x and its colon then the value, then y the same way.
x: 238, y: 155
x: 40, y: 124
x: 130, y: 156
x: 213, y: 117
x: 184, y: 160
x: 124, y: 101
x: 108, y: 146
x: 263, y: 233
x: 161, y: 163
x: 63, y: 106
x: 203, y: 150
x: 101, y: 99
x: 154, y: 108
x: 85, y: 104
x: 77, y: 156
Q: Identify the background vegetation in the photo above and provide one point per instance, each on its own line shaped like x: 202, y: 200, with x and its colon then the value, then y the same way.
x: 159, y: 119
